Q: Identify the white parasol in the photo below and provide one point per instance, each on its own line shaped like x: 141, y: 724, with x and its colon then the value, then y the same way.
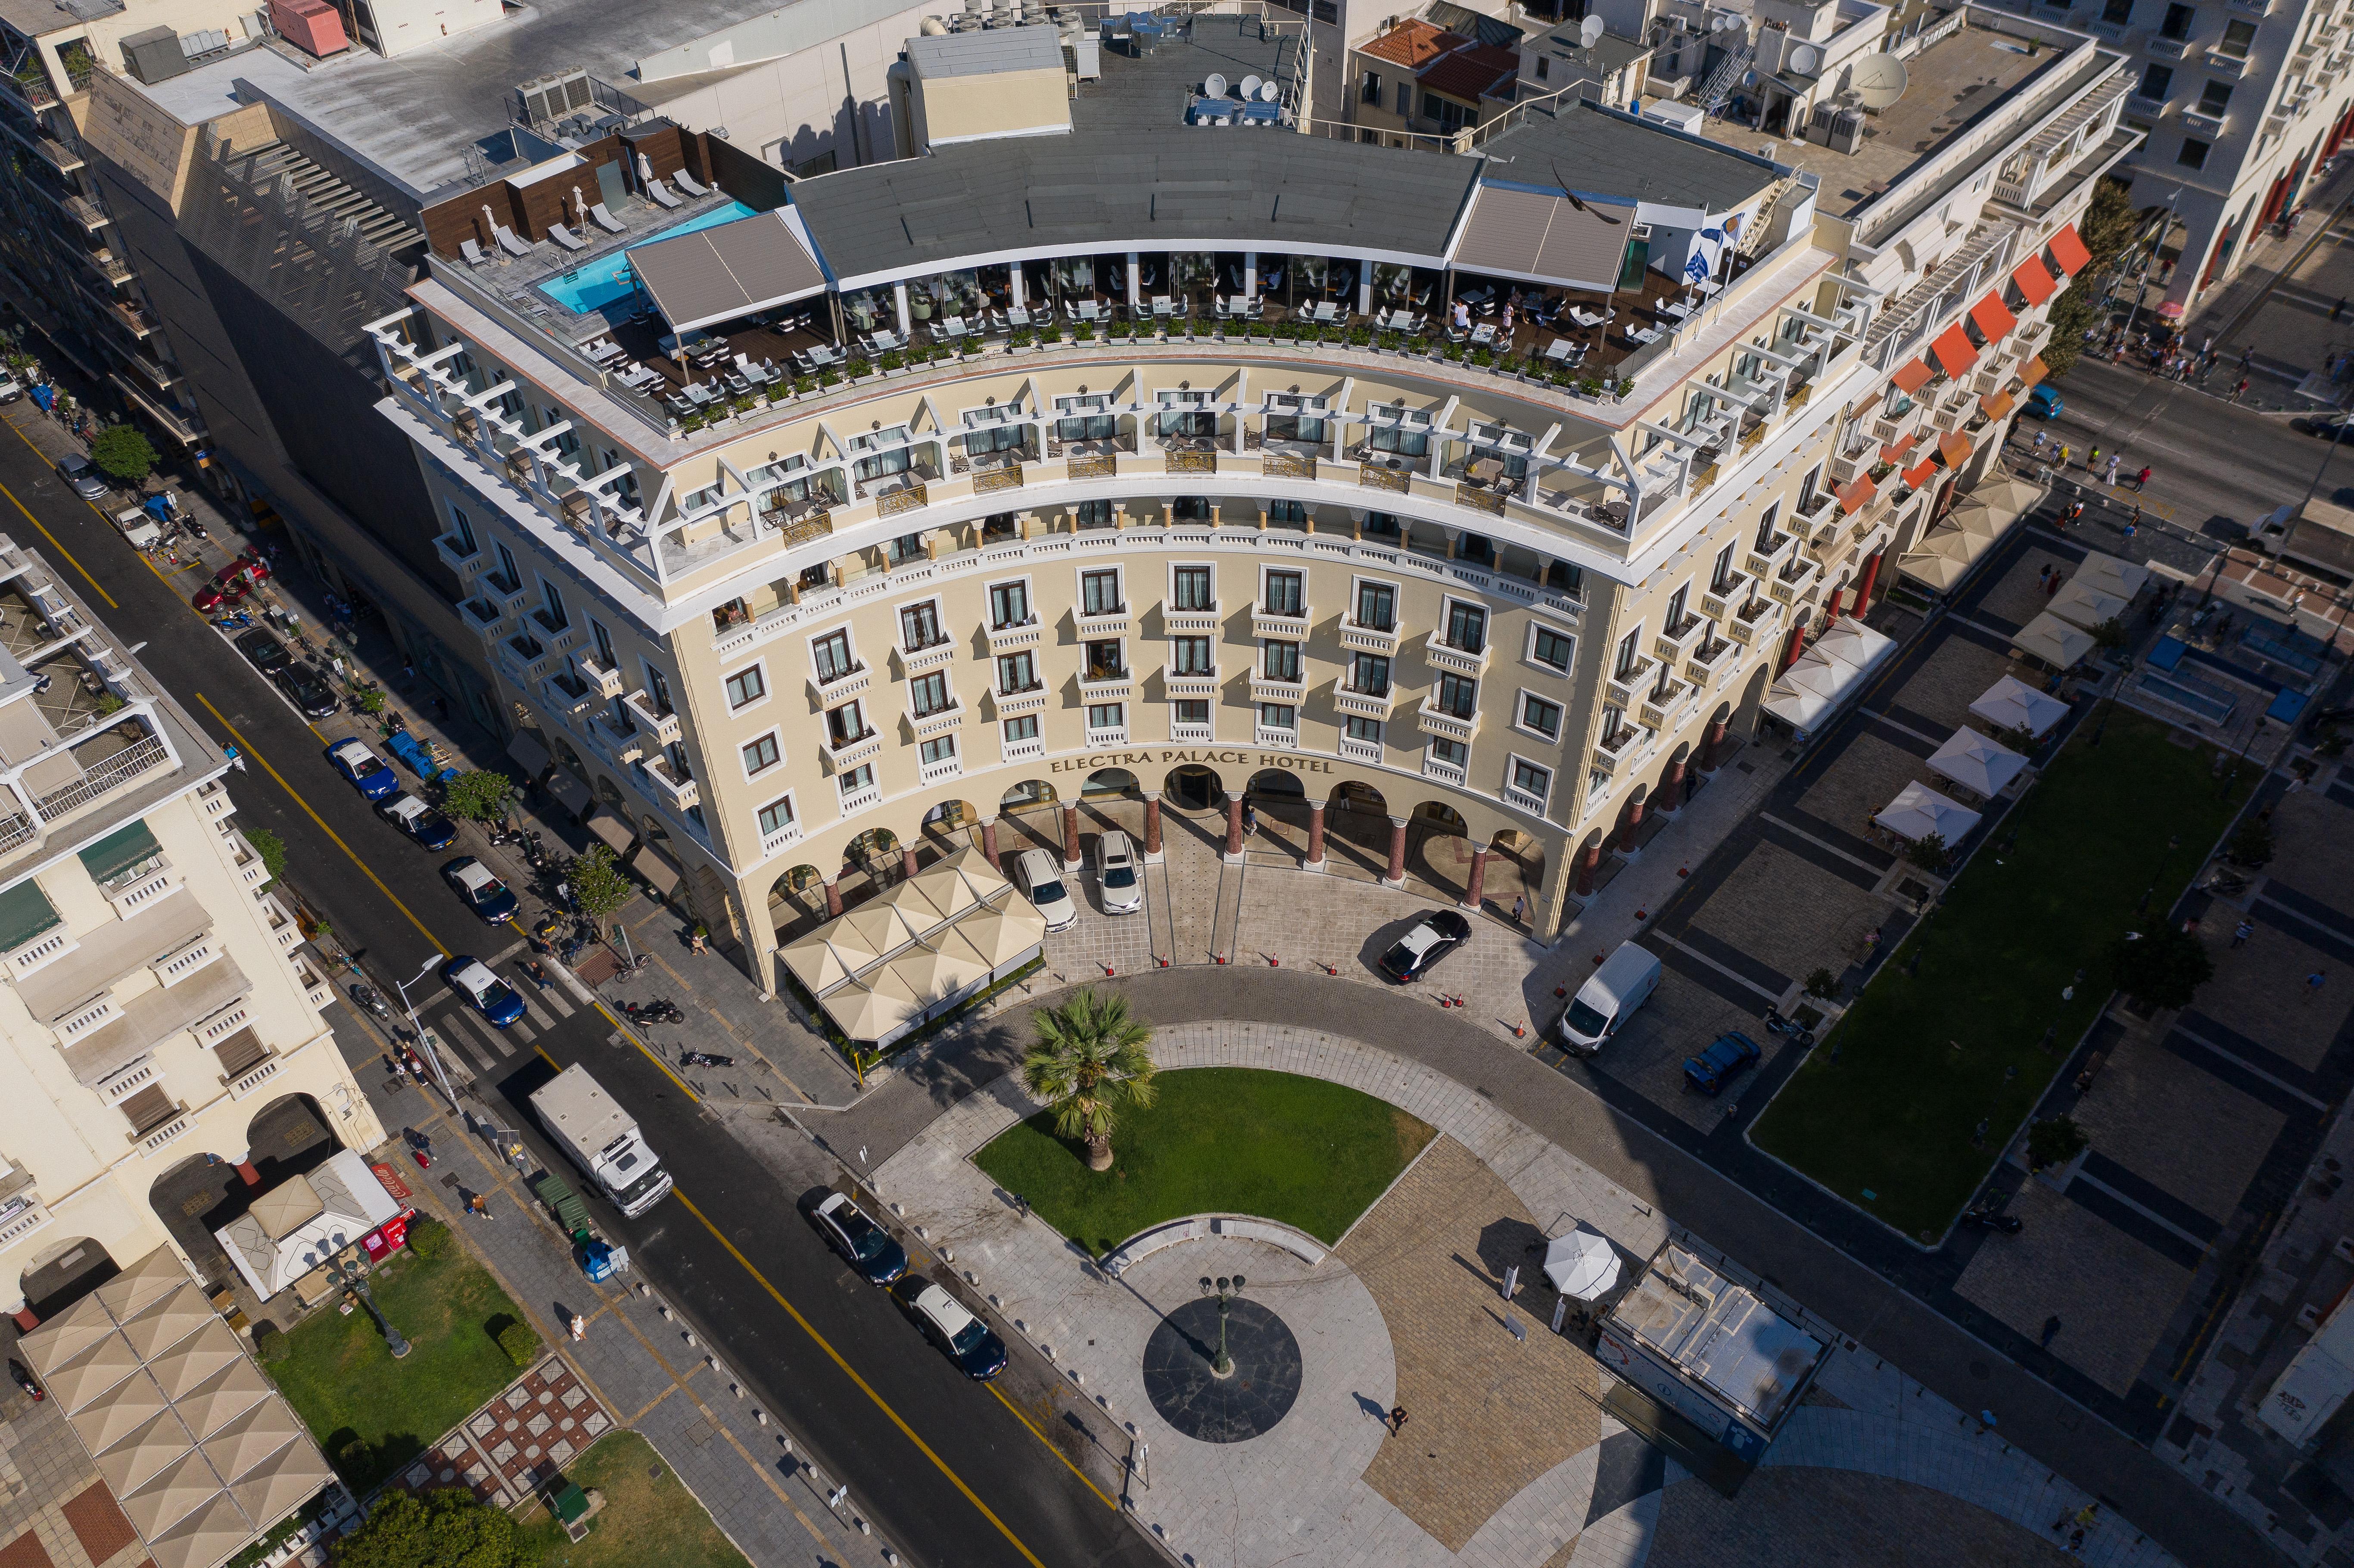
x: 1581, y: 1265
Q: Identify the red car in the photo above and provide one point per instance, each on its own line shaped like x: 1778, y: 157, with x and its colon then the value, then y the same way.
x: 232, y: 582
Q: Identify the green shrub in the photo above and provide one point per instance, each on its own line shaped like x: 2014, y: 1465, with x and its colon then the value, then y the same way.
x: 269, y: 1344
x: 2250, y: 843
x: 449, y: 1528
x: 124, y: 454
x: 1823, y: 985
x: 428, y: 1238
x: 2054, y: 1141
x: 519, y: 1342
x: 477, y: 797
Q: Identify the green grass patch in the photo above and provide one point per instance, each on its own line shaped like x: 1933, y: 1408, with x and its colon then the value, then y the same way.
x: 374, y: 1415
x: 1924, y: 1057
x: 1237, y: 1141
x: 648, y: 1517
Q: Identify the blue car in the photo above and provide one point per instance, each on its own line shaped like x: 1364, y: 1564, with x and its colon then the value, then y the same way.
x: 369, y: 773
x: 1731, y: 1053
x: 2044, y: 403
x: 490, y: 996
x: 485, y: 895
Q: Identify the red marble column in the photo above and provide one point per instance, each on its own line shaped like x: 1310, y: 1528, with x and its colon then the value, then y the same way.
x: 907, y: 861
x: 1477, y: 888
x: 1070, y: 837
x: 1671, y: 788
x: 1797, y: 646
x: 1316, y: 835
x: 1395, y: 874
x: 1627, y: 826
x: 1707, y: 746
x: 1871, y: 576
x: 1588, y: 859
x: 27, y: 1320
x: 833, y: 898
x: 989, y: 842
x: 1152, y: 825
x: 246, y: 1174
x: 1234, y: 824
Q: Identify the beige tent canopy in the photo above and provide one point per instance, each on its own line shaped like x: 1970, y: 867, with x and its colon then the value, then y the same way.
x: 185, y: 1366
x: 108, y: 1422
x: 2085, y: 605
x: 918, y: 906
x: 168, y: 1321
x: 89, y: 1376
x: 2123, y: 578
x: 206, y: 1535
x: 819, y: 963
x: 1940, y: 559
x: 874, y: 1007
x: 1918, y: 810
x: 238, y: 1448
x: 223, y: 1397
x: 1978, y: 764
x: 143, y: 1285
x: 286, y: 1208
x: 178, y: 1490
x: 2012, y: 703
x: 138, y: 1459
x: 2053, y: 641
x: 1994, y: 506
x: 934, y: 972
x: 76, y: 1329
x: 878, y: 927
x: 1002, y: 933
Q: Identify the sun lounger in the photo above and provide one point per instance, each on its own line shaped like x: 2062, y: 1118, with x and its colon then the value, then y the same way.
x: 690, y: 184
x: 663, y: 193
x: 473, y: 253
x: 566, y: 238
x: 509, y: 243
x: 606, y: 221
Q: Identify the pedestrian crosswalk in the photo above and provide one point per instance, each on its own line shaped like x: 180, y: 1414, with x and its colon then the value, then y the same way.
x: 471, y: 1037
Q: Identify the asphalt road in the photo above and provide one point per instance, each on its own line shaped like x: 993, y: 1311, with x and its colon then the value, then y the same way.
x: 941, y: 1465
x: 2216, y: 464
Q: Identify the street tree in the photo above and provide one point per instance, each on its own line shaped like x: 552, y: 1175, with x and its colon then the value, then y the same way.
x: 1090, y: 1060
x: 599, y: 884
x: 2162, y: 968
x: 124, y: 454
x: 445, y: 1528
x: 477, y: 797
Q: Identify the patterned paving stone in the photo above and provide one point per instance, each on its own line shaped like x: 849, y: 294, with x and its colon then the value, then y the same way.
x: 2177, y: 1126
x: 1787, y: 1516
x: 1790, y: 914
x: 1871, y: 771
x: 2259, y: 990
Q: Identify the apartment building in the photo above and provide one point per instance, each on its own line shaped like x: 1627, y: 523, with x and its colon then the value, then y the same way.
x: 157, y: 1000
x: 775, y: 624
x: 2238, y: 103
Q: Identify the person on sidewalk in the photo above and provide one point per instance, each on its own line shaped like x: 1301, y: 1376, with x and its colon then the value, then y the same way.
x: 2050, y: 1332
x: 1397, y: 1419
x: 235, y: 757
x: 2115, y: 458
x: 2141, y: 480
x: 2241, y: 390
x: 2241, y: 932
x: 2093, y: 457
x: 579, y: 1327
x: 478, y: 1204
x: 696, y: 942
x: 2313, y: 984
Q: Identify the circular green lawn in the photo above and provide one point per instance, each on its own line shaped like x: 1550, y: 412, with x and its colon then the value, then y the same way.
x: 1234, y: 1140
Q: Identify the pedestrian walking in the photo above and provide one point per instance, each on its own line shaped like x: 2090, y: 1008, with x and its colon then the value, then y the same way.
x: 2241, y: 390
x: 478, y: 1204
x: 2063, y: 455
x: 2043, y: 574
x: 2141, y: 480
x: 408, y: 672
x: 2051, y: 588
x: 2093, y: 457
x: 2041, y: 436
x: 698, y: 942
x: 2050, y: 1332
x: 235, y: 757
x: 1397, y: 1419
x: 2111, y: 480
x: 2075, y: 1543
x: 2313, y: 984
x: 579, y: 1327
x: 2241, y: 932
x: 1986, y: 1423
x: 2133, y: 526
x: 1520, y: 907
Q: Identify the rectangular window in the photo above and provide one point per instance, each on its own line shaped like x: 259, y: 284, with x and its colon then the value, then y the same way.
x: 1542, y: 716
x: 1189, y: 710
x: 1453, y: 752
x: 940, y: 750
x: 1676, y: 616
x: 513, y: 579
x: 1099, y: 594
x: 858, y: 779
x: 1280, y: 661
x: 1531, y: 779
x: 2179, y: 22
x: 2117, y: 12
x: 2216, y: 99
x: 1765, y: 528
x: 2238, y: 37
x: 831, y: 655
x: 1371, y: 89
x: 776, y: 816
x: 745, y: 687
x: 881, y: 465
x: 845, y: 725
x: 919, y: 626
x: 1283, y: 593
x: 1277, y: 716
x: 1377, y: 607
x: 1106, y: 661
x: 2193, y: 154
x: 604, y: 640
x: 1369, y: 674
x: 464, y: 530
x: 1190, y: 588
x: 1188, y: 422
x: 658, y: 688
x: 1296, y: 428
x: 1081, y: 425
x: 1365, y: 729
x: 551, y: 605
x: 1457, y: 694
x: 1093, y: 514
x: 2157, y: 81
x: 1018, y: 730
x: 1190, y: 656
x: 1552, y: 648
x: 1808, y: 492
x: 928, y: 695
x: 1630, y: 655
x: 1720, y: 575
x: 1404, y: 99
x: 1017, y: 673
x: 1106, y: 715
x: 1467, y: 626
x: 1009, y: 605
x: 1403, y: 441
x: 761, y: 754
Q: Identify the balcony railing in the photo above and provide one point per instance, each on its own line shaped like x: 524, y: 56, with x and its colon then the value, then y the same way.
x: 840, y: 685
x: 672, y: 785
x: 1444, y: 655
x: 1368, y: 704
x: 1283, y: 625
x: 1381, y: 640
x: 1014, y: 636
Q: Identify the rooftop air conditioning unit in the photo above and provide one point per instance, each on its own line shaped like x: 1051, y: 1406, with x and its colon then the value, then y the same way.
x: 554, y: 95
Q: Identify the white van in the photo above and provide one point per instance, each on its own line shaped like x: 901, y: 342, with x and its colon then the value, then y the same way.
x: 1604, y: 1004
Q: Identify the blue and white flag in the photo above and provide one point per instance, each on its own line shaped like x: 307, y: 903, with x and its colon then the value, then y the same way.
x: 1697, y: 269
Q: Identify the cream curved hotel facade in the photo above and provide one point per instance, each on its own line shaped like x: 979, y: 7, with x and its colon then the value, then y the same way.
x: 760, y: 620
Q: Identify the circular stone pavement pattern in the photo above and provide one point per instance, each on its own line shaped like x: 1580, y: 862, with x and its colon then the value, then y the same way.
x: 1212, y: 1409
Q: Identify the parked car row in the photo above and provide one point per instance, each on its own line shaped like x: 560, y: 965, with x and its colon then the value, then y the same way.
x: 476, y: 886
x: 1119, y: 877
x: 867, y: 1248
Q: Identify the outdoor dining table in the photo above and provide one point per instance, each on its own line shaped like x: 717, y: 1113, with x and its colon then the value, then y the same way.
x: 1016, y: 316
x: 952, y: 326
x: 1678, y: 309
x: 1327, y: 312
x: 826, y: 354
x: 1484, y: 334
x: 1398, y: 319
x: 1164, y: 306
x: 1087, y: 310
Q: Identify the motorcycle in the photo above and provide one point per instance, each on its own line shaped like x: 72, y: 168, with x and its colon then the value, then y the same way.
x: 703, y: 1059
x: 368, y: 996
x: 237, y: 620
x: 658, y: 1010
x: 25, y: 1378
x: 1985, y: 1219
x: 1799, y: 1031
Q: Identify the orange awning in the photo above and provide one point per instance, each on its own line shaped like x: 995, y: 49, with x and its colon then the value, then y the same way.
x: 1898, y: 451
x: 1857, y: 493
x: 1911, y: 377
x: 1955, y: 447
x: 2033, y: 281
x: 1919, y: 473
x: 2069, y: 250
x: 1995, y: 406
x: 2032, y: 372
x: 1993, y: 318
x: 1954, y: 351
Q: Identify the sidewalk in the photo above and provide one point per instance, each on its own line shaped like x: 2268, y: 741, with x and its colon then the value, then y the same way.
x: 634, y: 1358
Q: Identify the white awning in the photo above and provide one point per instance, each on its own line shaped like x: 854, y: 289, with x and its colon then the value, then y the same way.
x: 2010, y: 704
x: 2053, y: 640
x: 2085, y: 605
x: 1827, y: 675
x: 726, y: 271
x: 1978, y: 764
x: 1918, y: 810
x: 295, y: 1227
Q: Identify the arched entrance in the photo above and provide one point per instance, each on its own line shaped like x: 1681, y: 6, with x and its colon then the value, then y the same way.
x: 1107, y: 782
x: 796, y: 899
x: 1028, y: 793
x: 1276, y: 784
x: 1193, y: 787
x: 63, y: 1272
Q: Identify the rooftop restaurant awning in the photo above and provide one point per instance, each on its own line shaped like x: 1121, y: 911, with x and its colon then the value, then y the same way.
x: 1541, y: 236
x: 2069, y: 250
x: 1918, y: 810
x: 729, y: 270
x: 2033, y: 281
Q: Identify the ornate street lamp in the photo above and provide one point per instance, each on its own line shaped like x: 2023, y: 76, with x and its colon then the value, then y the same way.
x: 1226, y: 1290
x: 348, y: 1269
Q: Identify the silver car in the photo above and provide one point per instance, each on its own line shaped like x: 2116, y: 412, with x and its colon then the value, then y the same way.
x: 1118, y: 874
x: 1043, y: 880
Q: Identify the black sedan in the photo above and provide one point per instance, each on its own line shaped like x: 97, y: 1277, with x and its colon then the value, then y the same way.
x: 264, y: 651
x: 1434, y: 937
x: 863, y: 1244
x: 308, y: 691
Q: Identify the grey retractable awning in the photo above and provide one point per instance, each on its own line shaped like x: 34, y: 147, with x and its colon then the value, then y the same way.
x: 569, y: 788
x: 613, y: 829
x: 525, y: 748
x: 1539, y: 235
x: 731, y: 269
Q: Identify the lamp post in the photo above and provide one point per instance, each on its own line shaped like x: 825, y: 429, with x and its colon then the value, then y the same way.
x: 424, y: 1042
x: 1226, y: 1290
x: 347, y: 1268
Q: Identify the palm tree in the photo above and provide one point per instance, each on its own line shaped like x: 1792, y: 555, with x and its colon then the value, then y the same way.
x: 1089, y: 1060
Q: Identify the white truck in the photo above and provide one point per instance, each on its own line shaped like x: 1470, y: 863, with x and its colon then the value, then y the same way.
x: 602, y: 1139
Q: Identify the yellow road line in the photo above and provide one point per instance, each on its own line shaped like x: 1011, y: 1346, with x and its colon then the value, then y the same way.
x: 246, y: 747
x: 908, y: 1431
x: 1051, y: 1448
x: 52, y: 538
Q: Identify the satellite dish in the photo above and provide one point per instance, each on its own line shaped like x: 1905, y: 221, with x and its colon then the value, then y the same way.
x: 1879, y: 80
x: 1805, y: 58
x: 1250, y: 88
x: 1213, y: 86
x: 1270, y: 91
x: 1590, y: 31
x: 1718, y: 23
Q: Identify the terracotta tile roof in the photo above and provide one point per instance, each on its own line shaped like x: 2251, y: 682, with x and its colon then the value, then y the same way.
x: 1468, y: 74
x: 1414, y: 43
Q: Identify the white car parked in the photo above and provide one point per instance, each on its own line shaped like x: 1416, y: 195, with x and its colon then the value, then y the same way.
x: 1043, y: 879
x: 1118, y: 874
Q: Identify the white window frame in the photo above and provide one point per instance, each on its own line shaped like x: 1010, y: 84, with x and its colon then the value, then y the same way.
x: 1168, y: 657
x: 1267, y: 572
x: 1447, y: 603
x: 1514, y: 761
x: 1036, y: 730
x: 1522, y: 698
x: 745, y: 762
x: 1079, y: 576
x: 947, y: 684
x: 864, y: 776
x: 1397, y: 602
x: 899, y: 629
x: 767, y: 690
x: 1528, y: 650
x: 850, y: 636
x: 1169, y: 586
x: 793, y: 810
x: 1029, y: 596
x: 948, y: 739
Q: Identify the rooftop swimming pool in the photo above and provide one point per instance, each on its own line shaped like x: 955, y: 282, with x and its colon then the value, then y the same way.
x: 608, y: 280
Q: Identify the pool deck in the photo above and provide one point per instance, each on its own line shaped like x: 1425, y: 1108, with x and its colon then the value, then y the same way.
x: 611, y: 262
x: 517, y: 281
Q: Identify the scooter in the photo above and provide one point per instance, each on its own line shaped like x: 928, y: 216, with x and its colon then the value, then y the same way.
x: 703, y: 1059
x: 655, y: 1011
x: 1985, y: 1219
x: 367, y: 996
